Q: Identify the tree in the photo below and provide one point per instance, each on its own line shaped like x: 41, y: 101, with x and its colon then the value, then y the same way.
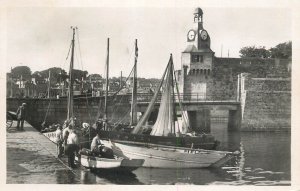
x: 56, y: 75
x: 282, y: 50
x: 79, y: 74
x: 21, y: 71
x: 95, y: 77
x: 253, y: 51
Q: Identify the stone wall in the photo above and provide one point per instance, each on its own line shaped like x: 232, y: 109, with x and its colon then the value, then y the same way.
x: 267, y: 96
x: 86, y: 110
x: 267, y: 104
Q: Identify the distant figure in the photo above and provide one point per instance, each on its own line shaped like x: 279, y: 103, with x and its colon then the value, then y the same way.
x: 72, y: 147
x: 21, y: 113
x: 96, y: 143
x: 59, y: 140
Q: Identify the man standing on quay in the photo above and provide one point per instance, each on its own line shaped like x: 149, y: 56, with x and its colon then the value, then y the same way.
x: 21, y: 113
x: 72, y: 147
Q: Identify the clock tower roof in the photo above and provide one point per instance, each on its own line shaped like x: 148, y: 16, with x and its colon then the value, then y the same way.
x: 198, y: 11
x: 192, y: 48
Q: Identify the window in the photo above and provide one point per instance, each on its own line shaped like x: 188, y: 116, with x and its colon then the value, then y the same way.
x: 195, y: 58
x: 201, y: 58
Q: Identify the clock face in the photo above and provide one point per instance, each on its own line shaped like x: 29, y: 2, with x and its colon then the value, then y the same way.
x: 203, y: 34
x: 191, y: 35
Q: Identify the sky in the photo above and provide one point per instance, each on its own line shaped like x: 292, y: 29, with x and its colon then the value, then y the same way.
x: 40, y: 37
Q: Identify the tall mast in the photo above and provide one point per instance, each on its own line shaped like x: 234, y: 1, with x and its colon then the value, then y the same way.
x: 49, y: 84
x: 61, y: 87
x: 70, y: 93
x: 106, y: 83
x: 121, y: 80
x: 11, y: 83
x: 133, y: 120
x: 173, y: 95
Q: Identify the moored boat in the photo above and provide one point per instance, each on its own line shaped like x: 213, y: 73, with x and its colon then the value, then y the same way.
x: 160, y: 156
x: 119, y: 164
x: 175, y: 132
x: 163, y: 156
x: 70, y: 118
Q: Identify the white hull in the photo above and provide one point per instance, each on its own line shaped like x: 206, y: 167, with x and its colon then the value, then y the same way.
x: 96, y: 162
x: 170, y: 157
x: 51, y: 136
x: 109, y: 164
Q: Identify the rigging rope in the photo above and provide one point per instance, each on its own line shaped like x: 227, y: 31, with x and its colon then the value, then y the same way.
x: 114, y: 95
x: 80, y: 56
x: 79, y: 49
x: 183, y: 114
x: 47, y: 110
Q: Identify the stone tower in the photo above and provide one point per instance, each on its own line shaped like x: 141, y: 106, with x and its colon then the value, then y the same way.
x: 196, y: 60
x: 195, y: 75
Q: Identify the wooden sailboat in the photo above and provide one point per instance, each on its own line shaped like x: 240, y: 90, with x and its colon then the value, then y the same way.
x: 203, y: 141
x: 88, y: 160
x: 70, y: 110
x: 162, y: 156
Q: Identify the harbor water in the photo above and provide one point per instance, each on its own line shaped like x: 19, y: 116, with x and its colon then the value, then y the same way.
x: 264, y: 159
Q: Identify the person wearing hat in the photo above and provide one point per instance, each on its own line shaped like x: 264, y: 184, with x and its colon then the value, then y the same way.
x: 21, y: 113
x: 59, y: 140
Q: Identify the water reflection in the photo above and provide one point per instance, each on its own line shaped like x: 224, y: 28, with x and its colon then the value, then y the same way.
x: 177, y: 176
x: 264, y: 159
x: 108, y: 177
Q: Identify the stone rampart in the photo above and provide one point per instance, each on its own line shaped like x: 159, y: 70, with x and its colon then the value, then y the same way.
x: 85, y: 110
x: 267, y: 104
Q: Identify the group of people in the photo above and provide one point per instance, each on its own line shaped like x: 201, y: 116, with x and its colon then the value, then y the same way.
x: 66, y: 136
x: 67, y: 141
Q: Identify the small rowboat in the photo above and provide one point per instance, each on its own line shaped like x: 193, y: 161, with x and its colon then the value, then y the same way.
x: 121, y: 164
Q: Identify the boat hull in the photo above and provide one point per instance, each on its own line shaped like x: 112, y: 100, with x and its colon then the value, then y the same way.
x: 170, y: 157
x: 109, y: 164
x: 204, y: 141
x: 51, y: 136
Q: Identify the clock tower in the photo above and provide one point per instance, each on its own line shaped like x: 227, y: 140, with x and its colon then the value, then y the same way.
x: 195, y: 77
x: 198, y: 36
x: 196, y: 59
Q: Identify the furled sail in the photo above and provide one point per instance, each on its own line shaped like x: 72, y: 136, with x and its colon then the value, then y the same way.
x: 149, y: 109
x: 165, y: 122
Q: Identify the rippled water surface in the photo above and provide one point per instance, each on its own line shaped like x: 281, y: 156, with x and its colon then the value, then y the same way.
x: 264, y: 159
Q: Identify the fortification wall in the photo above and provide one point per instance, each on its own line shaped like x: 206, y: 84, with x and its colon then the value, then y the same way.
x: 267, y: 105
x: 267, y: 95
x: 85, y: 110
